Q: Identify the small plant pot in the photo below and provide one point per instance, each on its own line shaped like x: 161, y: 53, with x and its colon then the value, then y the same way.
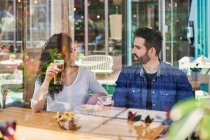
x: 195, y: 76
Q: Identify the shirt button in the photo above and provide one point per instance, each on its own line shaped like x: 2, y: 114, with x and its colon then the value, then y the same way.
x: 153, y: 104
x: 153, y: 92
x: 166, y: 93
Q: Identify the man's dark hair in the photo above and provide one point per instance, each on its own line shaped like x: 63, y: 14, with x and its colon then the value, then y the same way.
x: 153, y: 38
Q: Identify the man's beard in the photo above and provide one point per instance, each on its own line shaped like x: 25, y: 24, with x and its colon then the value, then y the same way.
x: 142, y: 60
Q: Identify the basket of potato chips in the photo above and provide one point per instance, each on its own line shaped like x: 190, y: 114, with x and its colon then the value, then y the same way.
x: 67, y: 121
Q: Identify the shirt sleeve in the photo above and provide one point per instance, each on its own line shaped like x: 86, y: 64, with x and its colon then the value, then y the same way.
x: 120, y: 94
x: 94, y: 85
x: 36, y: 87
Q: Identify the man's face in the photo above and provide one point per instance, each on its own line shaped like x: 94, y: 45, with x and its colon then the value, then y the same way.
x: 139, y: 50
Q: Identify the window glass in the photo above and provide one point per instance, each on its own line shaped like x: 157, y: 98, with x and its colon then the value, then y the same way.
x: 97, y: 26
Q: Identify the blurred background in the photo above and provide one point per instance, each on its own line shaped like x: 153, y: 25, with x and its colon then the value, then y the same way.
x: 99, y: 27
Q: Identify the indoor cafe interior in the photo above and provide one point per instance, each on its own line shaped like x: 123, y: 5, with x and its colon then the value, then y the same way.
x: 103, y: 33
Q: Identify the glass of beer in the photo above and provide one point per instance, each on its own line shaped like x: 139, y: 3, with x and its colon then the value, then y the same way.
x: 58, y: 76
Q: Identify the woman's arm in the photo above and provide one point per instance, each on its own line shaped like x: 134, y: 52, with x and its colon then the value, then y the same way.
x: 94, y: 98
x: 95, y: 87
x: 40, y: 96
x: 40, y: 93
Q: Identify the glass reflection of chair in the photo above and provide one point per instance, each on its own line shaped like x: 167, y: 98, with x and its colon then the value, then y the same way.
x: 98, y: 63
x: 5, y: 88
x: 11, y: 82
x: 184, y: 63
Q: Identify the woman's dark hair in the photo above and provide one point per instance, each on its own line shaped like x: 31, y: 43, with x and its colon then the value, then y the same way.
x: 153, y: 38
x: 57, y: 47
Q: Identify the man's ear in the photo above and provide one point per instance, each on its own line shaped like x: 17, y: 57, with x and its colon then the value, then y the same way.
x: 152, y: 51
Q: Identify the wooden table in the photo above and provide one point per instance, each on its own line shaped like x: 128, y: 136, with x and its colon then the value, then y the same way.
x: 9, y: 66
x: 111, y: 123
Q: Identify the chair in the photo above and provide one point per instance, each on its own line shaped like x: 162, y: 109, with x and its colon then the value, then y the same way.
x: 11, y: 80
x: 99, y: 64
x: 4, y: 91
x: 184, y: 62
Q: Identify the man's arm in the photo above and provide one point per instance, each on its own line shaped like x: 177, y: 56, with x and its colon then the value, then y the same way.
x: 120, y: 95
x: 184, y: 88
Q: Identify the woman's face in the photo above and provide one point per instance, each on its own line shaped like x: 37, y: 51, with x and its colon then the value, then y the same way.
x: 72, y: 51
x: 71, y: 54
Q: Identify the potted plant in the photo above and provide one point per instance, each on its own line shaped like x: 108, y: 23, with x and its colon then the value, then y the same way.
x: 195, y: 72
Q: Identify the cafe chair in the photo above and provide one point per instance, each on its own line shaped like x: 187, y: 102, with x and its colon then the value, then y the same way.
x: 99, y: 64
x: 5, y: 88
x: 185, y: 61
x: 11, y: 80
x: 7, y: 68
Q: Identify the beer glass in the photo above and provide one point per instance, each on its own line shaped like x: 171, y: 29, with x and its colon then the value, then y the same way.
x: 58, y: 76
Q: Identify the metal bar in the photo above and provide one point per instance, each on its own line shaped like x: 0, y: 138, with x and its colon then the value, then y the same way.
x: 24, y: 28
x: 208, y: 30
x: 162, y: 27
x: 129, y: 32
x: 15, y: 31
x: 86, y: 26
x: 172, y: 32
x: 106, y: 7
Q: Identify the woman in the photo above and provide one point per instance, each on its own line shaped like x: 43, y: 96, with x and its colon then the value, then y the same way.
x: 76, y: 82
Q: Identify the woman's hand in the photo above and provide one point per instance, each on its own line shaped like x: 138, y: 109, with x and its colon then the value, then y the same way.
x: 94, y: 98
x: 102, y: 104
x: 51, y: 71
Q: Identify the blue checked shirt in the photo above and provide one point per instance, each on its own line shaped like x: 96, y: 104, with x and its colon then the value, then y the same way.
x: 169, y: 86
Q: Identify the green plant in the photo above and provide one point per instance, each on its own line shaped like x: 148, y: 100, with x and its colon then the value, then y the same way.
x: 190, y: 118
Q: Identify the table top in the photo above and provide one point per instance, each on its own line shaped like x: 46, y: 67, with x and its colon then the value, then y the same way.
x: 199, y: 65
x: 10, y: 62
x: 9, y: 66
x: 110, y: 123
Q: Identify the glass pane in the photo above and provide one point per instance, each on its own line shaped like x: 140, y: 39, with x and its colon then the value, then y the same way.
x: 177, y: 45
x: 39, y: 23
x: 115, y: 29
x: 96, y: 32
x: 11, y: 23
x: 145, y: 14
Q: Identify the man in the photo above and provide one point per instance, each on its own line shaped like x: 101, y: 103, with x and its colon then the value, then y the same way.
x: 150, y: 84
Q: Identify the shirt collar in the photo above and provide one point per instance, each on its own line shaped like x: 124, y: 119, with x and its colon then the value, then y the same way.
x: 161, y: 71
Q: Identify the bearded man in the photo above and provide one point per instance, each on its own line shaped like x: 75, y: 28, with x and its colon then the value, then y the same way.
x: 150, y: 84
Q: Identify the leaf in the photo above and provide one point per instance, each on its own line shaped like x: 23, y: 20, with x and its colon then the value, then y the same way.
x: 182, y: 108
x: 131, y: 115
x: 185, y: 126
x: 148, y: 119
x: 204, y: 129
x: 137, y: 118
